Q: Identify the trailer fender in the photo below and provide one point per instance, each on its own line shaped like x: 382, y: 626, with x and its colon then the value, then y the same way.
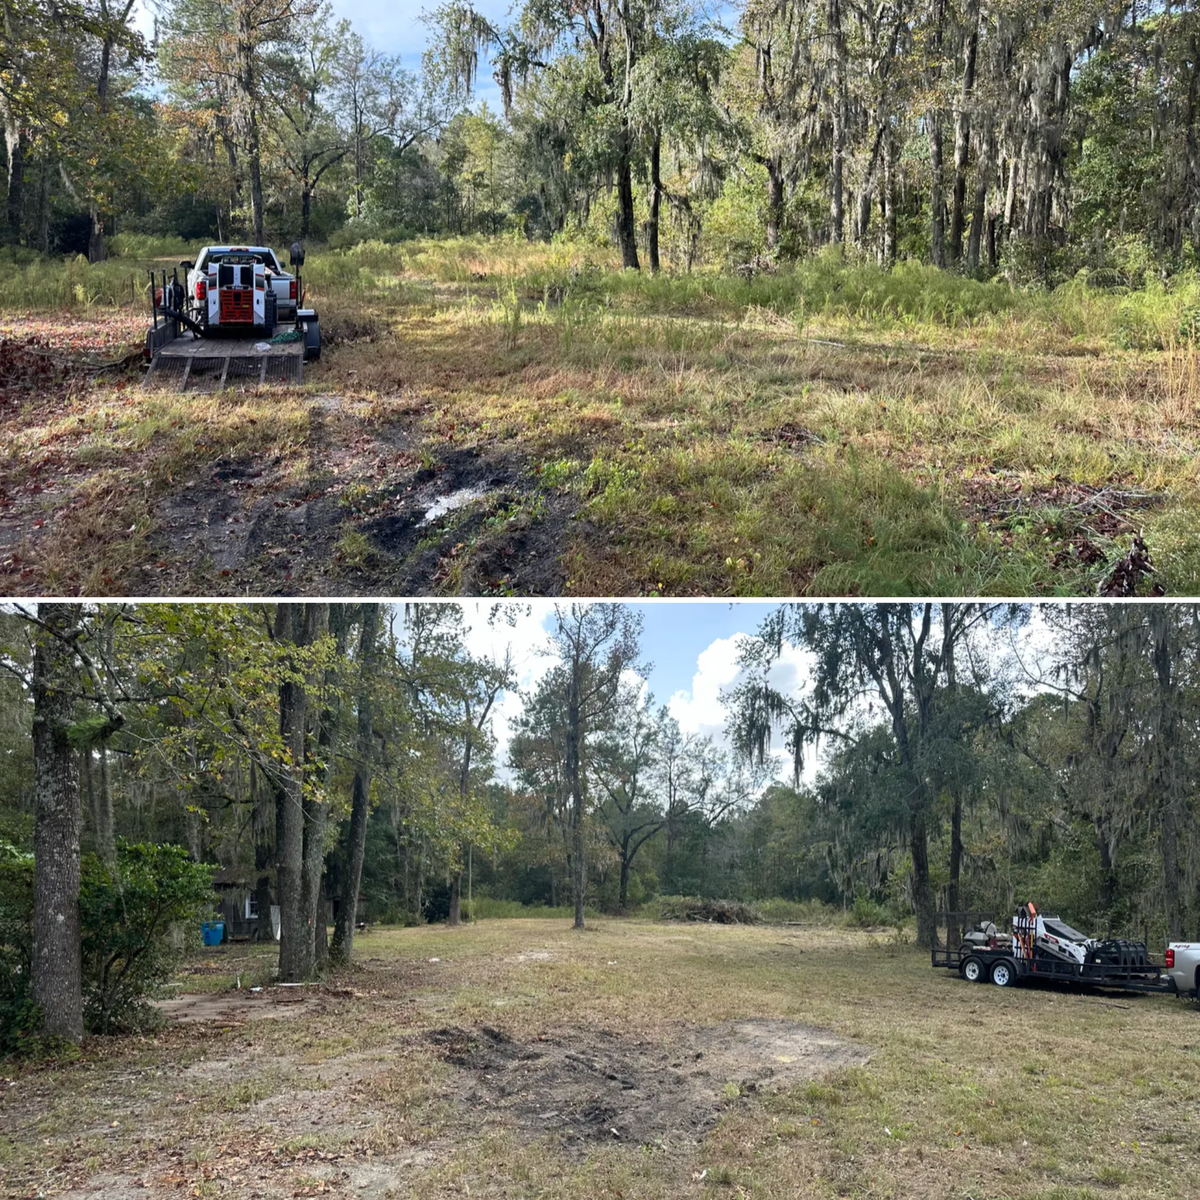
x: 312, y: 333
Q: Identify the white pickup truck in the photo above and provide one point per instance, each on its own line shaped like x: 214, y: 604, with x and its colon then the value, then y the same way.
x: 220, y: 266
x: 1182, y: 964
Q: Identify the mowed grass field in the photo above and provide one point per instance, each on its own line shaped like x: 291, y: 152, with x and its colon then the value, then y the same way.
x: 497, y: 418
x: 504, y: 1059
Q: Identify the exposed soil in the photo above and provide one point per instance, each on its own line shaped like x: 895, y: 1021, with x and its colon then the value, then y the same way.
x: 596, y: 1085
x: 227, y: 1008
x: 473, y: 522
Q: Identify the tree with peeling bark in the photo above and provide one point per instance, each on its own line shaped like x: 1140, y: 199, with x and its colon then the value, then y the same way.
x: 56, y: 967
x: 298, y: 629
x: 73, y: 706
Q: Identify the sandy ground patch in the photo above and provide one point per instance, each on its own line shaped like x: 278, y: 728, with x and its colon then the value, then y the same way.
x: 274, y: 1003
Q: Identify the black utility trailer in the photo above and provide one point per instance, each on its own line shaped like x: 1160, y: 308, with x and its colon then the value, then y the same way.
x: 981, y: 951
x: 187, y: 349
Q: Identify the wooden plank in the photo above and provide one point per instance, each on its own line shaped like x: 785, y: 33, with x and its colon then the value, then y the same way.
x: 187, y: 370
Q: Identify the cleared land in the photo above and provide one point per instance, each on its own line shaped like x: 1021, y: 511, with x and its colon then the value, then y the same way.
x: 518, y: 1059
x: 500, y: 418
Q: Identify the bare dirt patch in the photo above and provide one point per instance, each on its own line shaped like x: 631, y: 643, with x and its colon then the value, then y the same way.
x: 601, y: 1086
x: 245, y: 1005
x: 472, y: 521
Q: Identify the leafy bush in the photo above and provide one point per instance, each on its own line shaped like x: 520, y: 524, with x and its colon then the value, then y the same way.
x: 131, y: 918
x: 19, y: 1016
x: 867, y: 913
x: 128, y: 917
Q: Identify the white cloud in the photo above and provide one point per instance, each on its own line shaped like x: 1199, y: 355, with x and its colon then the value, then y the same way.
x: 532, y: 658
x: 701, y: 711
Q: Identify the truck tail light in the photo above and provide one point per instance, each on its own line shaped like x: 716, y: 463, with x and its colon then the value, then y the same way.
x: 292, y: 290
x: 201, y: 289
x: 1169, y: 961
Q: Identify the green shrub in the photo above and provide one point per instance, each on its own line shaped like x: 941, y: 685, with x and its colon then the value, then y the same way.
x: 867, y: 913
x: 19, y: 1016
x: 131, y: 916
x: 128, y: 915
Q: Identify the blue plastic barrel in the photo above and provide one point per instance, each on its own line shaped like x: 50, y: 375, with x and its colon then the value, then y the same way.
x: 213, y: 932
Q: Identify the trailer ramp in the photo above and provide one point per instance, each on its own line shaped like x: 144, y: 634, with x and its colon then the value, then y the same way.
x: 192, y: 364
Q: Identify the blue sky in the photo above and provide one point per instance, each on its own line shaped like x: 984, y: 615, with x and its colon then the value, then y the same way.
x: 675, y: 635
x: 692, y: 649
x: 398, y: 29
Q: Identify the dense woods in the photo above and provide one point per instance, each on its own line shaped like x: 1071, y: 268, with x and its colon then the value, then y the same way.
x: 977, y: 135
x: 339, y: 762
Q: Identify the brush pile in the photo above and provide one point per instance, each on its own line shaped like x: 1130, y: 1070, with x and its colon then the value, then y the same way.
x: 715, y: 912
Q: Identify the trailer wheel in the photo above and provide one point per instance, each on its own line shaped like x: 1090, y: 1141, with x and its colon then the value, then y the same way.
x: 972, y: 970
x: 1003, y: 974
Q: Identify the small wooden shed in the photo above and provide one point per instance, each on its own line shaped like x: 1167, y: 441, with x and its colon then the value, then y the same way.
x: 238, y: 906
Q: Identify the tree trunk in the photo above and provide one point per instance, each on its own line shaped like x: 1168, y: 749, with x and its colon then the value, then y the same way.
x: 263, y: 823
x: 321, y: 940
x: 956, y: 847
x: 889, y: 201
x: 455, y: 918
x: 983, y: 172
x: 1108, y: 876
x: 247, y: 109
x: 96, y: 250
x: 624, y: 878
x: 305, y: 209
x: 17, y: 145
x: 343, y: 933
x: 1010, y: 197
x: 295, y: 944
x: 316, y: 812
x: 837, y: 219
x: 655, y: 204
x: 774, y: 200
x: 106, y: 846
x: 578, y: 873
x: 626, y: 223
x: 937, y: 199
x: 922, y: 897
x: 1168, y: 773
x: 56, y: 969
x: 962, y: 135
x: 937, y: 182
